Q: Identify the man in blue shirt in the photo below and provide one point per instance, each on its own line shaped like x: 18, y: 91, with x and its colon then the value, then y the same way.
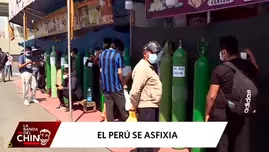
x: 25, y: 67
x: 111, y: 64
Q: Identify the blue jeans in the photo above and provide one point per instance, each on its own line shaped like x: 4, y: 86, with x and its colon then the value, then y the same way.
x: 8, y: 67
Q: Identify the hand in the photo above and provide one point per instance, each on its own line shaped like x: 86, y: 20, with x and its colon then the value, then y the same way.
x: 60, y: 87
x: 206, y: 118
x: 30, y: 62
x: 125, y: 87
x: 132, y: 109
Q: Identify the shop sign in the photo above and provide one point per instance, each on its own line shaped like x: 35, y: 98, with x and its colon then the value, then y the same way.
x: 196, y: 19
x: 158, y: 8
x: 86, y: 15
x: 15, y: 6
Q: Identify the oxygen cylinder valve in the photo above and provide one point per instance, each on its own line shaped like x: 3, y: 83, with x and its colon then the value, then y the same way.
x: 180, y: 44
x: 203, y: 47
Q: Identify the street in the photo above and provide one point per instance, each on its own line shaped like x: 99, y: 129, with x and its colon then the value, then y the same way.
x: 12, y: 110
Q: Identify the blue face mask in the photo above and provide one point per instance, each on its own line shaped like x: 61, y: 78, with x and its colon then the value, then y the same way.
x: 153, y: 58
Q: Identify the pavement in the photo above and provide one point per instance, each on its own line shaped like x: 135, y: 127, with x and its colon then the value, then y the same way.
x: 12, y: 111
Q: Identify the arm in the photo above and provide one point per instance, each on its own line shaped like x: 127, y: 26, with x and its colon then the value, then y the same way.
x: 213, y: 91
x: 127, y: 78
x: 139, y: 80
x: 96, y: 59
x: 252, y: 59
x: 22, y: 64
x: 119, y: 64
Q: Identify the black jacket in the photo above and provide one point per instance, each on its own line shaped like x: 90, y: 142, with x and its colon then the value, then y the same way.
x: 76, y: 90
x: 3, y: 59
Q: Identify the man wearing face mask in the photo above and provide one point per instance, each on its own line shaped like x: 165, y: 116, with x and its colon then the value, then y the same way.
x: 62, y: 90
x: 112, y: 83
x: 236, y: 137
x: 146, y: 91
x: 26, y: 69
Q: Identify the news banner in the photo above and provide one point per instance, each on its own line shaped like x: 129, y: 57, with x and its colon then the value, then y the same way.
x: 117, y: 134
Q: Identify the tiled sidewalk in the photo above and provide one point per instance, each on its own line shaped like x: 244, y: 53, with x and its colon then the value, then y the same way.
x: 50, y: 105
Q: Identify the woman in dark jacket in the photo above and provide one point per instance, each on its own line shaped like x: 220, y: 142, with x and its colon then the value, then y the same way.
x: 63, y: 91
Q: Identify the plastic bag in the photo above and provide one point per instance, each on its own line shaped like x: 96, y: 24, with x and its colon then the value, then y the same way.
x: 132, y: 117
x: 128, y: 104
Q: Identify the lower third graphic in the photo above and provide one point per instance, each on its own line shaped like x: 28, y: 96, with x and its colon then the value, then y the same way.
x: 34, y: 134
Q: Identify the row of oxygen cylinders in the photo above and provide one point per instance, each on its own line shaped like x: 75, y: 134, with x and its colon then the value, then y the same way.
x: 174, y: 78
x: 84, y: 72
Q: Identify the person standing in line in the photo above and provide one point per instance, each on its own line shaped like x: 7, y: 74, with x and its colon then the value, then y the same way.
x: 25, y: 67
x: 112, y: 83
x: 146, y: 91
x: 106, y: 45
x: 3, y: 60
x: 8, y: 65
x: 236, y: 136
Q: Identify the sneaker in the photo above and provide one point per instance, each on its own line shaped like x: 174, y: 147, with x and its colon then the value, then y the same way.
x: 61, y: 107
x: 35, y: 101
x: 26, y: 102
x: 68, y: 110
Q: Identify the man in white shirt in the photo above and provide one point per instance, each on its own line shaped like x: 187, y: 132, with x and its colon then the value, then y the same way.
x: 8, y: 65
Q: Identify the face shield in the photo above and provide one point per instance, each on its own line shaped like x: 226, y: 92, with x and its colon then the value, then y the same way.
x: 154, y: 46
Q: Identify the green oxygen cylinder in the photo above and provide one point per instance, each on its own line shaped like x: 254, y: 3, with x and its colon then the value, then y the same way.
x: 87, y: 74
x: 79, y: 68
x: 63, y: 63
x: 47, y: 70
x: 165, y: 76
x: 53, y: 72
x: 201, y: 85
x: 179, y: 84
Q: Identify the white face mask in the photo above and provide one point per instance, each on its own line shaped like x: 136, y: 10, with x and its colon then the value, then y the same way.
x: 221, y: 56
x: 243, y: 55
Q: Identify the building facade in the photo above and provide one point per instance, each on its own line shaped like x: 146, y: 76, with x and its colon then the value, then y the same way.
x: 9, y: 46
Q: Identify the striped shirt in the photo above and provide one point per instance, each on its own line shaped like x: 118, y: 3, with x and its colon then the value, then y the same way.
x: 110, y: 61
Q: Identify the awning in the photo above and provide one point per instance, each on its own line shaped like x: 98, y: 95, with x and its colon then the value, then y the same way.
x: 35, y: 9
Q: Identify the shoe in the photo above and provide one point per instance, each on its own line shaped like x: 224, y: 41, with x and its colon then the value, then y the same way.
x: 68, y: 110
x: 26, y: 102
x: 61, y: 107
x: 35, y: 101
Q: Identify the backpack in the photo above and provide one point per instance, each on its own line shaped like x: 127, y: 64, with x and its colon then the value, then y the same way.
x: 244, y: 93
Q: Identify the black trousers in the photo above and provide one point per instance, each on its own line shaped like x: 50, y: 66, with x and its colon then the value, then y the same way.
x: 115, y: 101
x: 150, y: 115
x: 236, y: 136
x: 65, y: 94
